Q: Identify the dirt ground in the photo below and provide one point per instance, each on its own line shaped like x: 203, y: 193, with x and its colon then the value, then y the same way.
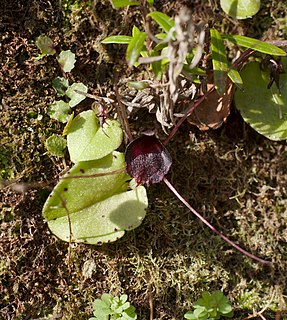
x: 234, y: 176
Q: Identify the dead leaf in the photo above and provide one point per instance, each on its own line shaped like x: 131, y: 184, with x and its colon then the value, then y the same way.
x: 214, y: 110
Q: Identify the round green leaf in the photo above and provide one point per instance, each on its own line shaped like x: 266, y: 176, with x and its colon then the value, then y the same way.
x: 56, y: 145
x: 59, y: 110
x: 76, y: 97
x: 240, y: 9
x: 100, y: 208
x: 67, y: 60
x: 45, y: 44
x: 264, y: 109
x: 87, y: 140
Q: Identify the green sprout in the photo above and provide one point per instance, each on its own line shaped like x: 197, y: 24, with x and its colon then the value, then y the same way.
x: 111, y: 308
x: 210, y: 306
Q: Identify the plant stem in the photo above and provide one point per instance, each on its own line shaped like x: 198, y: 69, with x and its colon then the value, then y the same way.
x: 200, y: 217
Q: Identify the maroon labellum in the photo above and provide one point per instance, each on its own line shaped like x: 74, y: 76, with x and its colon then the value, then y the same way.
x: 148, y: 161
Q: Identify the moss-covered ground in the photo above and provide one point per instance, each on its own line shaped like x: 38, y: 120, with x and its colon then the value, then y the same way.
x: 234, y: 176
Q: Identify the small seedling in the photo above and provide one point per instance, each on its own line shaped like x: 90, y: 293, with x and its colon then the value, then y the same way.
x: 112, y: 308
x: 210, y: 307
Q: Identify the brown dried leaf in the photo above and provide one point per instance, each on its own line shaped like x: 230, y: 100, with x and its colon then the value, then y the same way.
x: 214, y: 110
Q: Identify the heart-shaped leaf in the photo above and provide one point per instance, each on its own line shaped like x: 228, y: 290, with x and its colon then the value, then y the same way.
x: 264, y: 109
x: 87, y: 140
x: 100, y: 208
x: 76, y: 97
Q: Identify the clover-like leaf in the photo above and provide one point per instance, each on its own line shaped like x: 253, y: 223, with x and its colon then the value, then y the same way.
x: 59, y: 110
x: 87, y: 140
x: 75, y: 96
x: 265, y: 110
x: 100, y: 208
x: 67, y: 60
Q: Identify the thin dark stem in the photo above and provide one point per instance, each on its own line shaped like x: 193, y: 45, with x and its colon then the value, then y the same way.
x: 199, y: 216
x: 188, y: 112
x: 123, y: 115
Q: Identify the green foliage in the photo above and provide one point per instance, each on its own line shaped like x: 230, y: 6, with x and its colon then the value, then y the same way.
x: 46, y: 46
x: 124, y: 3
x: 94, y: 199
x: 159, y: 53
x: 264, y: 109
x: 240, y: 9
x: 164, y: 21
x: 67, y: 60
x: 59, y: 110
x: 210, y: 307
x: 111, y: 308
x: 61, y: 85
x: 88, y: 141
x: 135, y: 46
x: 255, y: 44
x: 76, y: 97
x: 219, y: 60
x: 56, y: 145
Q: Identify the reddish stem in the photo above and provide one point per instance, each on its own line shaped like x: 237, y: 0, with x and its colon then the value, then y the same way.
x: 188, y: 112
x: 200, y: 217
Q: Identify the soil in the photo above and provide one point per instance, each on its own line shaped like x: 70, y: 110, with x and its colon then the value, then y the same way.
x: 234, y: 176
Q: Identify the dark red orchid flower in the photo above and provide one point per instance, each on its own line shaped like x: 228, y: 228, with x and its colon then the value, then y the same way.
x: 148, y: 161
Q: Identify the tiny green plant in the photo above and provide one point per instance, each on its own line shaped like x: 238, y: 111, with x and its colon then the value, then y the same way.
x: 60, y: 110
x: 210, y: 306
x: 112, y: 308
